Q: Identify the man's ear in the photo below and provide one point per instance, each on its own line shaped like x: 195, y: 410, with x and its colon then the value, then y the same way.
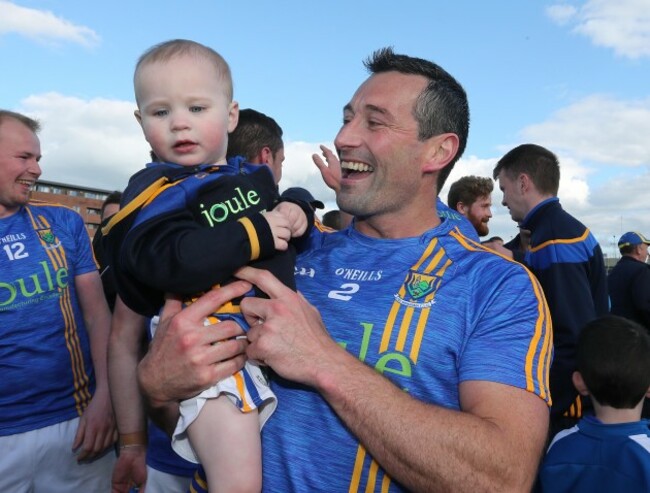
x: 524, y: 182
x: 441, y: 152
x: 233, y: 116
x: 265, y: 155
x: 462, y: 208
x: 579, y: 383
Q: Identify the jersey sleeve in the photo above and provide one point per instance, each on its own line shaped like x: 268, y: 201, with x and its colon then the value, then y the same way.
x: 84, y: 260
x: 510, y: 340
x: 175, y: 254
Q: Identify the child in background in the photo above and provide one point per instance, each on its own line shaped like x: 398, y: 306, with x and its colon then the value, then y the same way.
x: 611, y: 451
x: 208, y: 218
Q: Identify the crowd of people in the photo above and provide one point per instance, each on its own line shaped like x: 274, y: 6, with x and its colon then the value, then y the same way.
x: 240, y: 343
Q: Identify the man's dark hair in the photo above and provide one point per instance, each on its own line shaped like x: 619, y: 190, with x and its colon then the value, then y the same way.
x: 30, y: 123
x: 332, y: 219
x: 613, y: 356
x: 540, y: 164
x: 254, y: 131
x: 468, y: 190
x: 111, y: 198
x: 442, y: 106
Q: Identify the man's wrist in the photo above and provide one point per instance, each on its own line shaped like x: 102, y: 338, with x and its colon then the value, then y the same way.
x: 135, y: 439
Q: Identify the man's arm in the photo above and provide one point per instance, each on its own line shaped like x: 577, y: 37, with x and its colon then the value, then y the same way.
x: 96, y: 430
x: 128, y: 333
x: 494, y: 443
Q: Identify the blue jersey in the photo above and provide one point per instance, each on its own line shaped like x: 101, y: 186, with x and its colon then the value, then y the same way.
x: 426, y: 312
x: 45, y: 364
x: 593, y: 456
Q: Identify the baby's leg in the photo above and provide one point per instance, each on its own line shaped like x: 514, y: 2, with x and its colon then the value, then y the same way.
x: 227, y: 443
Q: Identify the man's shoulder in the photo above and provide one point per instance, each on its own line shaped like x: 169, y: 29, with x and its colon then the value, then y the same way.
x: 53, y: 210
x: 559, y: 224
x: 628, y: 267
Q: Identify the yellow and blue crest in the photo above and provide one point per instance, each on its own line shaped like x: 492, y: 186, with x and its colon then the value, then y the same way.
x: 420, y: 285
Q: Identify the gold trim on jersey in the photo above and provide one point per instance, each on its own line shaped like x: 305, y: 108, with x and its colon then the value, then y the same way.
x: 544, y: 349
x: 57, y: 257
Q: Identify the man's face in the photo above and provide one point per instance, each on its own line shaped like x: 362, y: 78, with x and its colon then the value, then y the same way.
x: 110, y: 210
x: 184, y: 111
x: 643, y: 252
x: 479, y: 213
x: 275, y: 163
x: 379, y: 148
x: 20, y: 151
x: 513, y: 197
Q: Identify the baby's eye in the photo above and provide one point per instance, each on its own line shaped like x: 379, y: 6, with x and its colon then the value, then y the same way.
x: 196, y: 109
x: 160, y: 113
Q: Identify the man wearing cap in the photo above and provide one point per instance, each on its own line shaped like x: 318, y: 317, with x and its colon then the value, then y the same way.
x: 303, y: 195
x: 629, y: 281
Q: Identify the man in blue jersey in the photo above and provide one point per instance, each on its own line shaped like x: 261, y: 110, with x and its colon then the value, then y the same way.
x: 427, y: 370
x: 563, y: 255
x: 56, y: 418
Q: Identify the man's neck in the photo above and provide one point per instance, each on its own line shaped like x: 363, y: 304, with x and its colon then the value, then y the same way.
x: 396, y: 226
x: 8, y: 211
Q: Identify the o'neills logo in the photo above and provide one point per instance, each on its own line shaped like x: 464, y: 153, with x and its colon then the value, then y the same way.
x: 417, y: 287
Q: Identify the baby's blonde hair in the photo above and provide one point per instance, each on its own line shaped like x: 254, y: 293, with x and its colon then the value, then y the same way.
x: 173, y: 48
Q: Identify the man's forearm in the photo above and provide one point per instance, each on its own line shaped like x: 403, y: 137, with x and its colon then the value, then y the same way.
x: 427, y: 447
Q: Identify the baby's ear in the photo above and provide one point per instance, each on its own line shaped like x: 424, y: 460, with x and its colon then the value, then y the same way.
x: 233, y: 116
x: 579, y: 383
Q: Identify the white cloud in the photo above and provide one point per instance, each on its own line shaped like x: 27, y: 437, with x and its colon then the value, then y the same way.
x: 98, y: 143
x: 43, y: 25
x: 561, y: 14
x: 604, y: 158
x: 95, y: 143
x: 623, y: 26
x: 600, y: 129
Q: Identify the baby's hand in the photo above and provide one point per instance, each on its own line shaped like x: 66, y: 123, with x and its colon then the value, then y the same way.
x: 280, y: 228
x: 295, y: 215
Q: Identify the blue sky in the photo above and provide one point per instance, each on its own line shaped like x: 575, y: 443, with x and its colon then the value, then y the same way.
x: 573, y: 76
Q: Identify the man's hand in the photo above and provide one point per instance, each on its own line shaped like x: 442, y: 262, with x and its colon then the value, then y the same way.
x: 96, y: 431
x: 331, y: 172
x: 286, y: 332
x: 130, y: 469
x: 185, y: 357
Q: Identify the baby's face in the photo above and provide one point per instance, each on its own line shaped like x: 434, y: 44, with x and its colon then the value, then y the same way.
x: 184, y: 111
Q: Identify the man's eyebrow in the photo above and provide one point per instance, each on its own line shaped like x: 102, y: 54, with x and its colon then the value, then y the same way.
x: 369, y: 107
x: 378, y: 109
